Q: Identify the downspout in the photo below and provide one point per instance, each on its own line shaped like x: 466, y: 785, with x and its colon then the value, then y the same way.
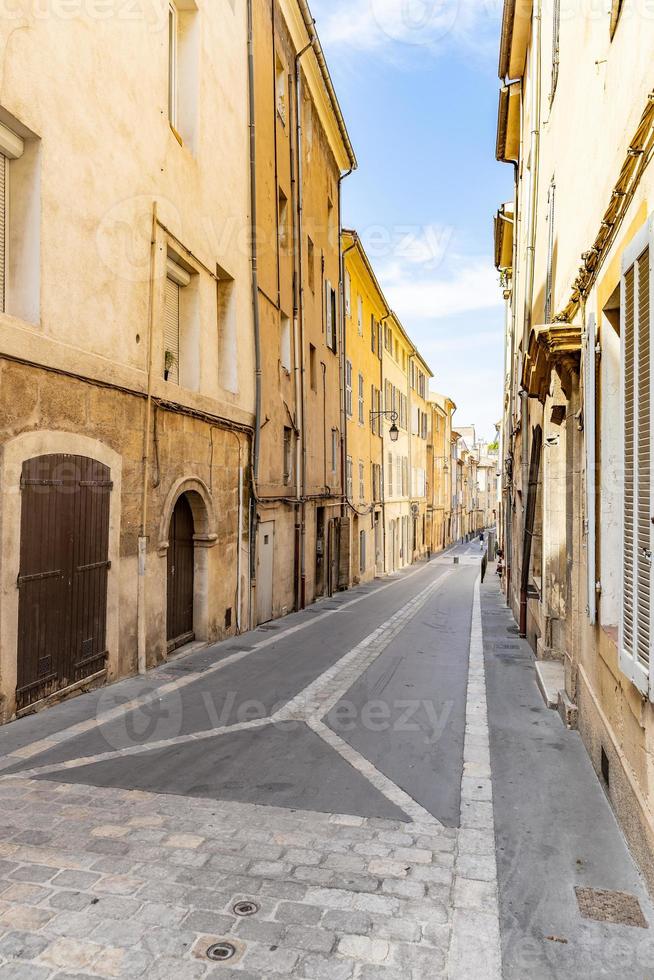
x: 529, y: 282
x: 300, y: 585
x: 343, y: 354
x: 256, y: 444
x: 141, y: 626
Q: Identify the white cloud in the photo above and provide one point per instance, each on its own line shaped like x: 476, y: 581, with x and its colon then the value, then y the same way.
x: 463, y: 285
x: 370, y: 25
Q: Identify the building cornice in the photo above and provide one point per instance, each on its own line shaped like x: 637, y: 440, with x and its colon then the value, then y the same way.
x: 638, y: 156
x: 301, y: 26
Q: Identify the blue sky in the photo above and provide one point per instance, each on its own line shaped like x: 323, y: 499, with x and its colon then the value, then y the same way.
x: 417, y: 81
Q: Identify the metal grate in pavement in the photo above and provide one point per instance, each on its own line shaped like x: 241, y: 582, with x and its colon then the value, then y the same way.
x: 619, y: 908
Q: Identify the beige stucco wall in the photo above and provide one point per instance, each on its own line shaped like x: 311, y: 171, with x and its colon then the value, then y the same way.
x: 89, y: 305
x: 586, y: 130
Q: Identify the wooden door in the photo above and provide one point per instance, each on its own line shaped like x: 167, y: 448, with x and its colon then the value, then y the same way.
x: 265, y: 571
x: 64, y: 547
x: 180, y: 575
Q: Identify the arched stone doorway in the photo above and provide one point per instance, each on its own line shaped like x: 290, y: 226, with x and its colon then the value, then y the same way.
x: 180, y: 576
x: 187, y: 530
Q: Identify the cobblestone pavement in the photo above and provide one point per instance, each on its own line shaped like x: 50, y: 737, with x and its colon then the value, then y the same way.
x: 102, y: 881
x: 129, y: 859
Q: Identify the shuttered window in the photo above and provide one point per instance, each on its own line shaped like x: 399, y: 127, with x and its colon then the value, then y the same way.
x: 171, y: 332
x: 637, y: 570
x: 590, y: 402
x: 3, y: 227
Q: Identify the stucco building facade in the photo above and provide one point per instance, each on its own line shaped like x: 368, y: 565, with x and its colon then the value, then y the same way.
x: 301, y: 147
x: 574, y: 248
x: 126, y: 355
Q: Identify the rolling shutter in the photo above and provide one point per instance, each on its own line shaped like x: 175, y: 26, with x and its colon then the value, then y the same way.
x: 3, y: 228
x: 171, y: 331
x: 590, y: 402
x: 638, y: 507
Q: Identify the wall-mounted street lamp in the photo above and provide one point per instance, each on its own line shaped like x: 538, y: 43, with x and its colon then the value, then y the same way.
x: 393, y: 432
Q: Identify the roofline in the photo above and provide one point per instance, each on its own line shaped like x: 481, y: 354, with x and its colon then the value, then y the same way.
x: 310, y: 26
x: 358, y: 244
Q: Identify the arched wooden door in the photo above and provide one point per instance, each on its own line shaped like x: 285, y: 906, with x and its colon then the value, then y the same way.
x: 180, y: 575
x: 64, y: 548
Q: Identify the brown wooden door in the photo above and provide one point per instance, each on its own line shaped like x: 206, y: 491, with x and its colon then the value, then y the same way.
x: 64, y: 547
x: 180, y: 575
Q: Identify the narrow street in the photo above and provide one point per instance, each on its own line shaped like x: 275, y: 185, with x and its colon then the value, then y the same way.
x: 333, y: 770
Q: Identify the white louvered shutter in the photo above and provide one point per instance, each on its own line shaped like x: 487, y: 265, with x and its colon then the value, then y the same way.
x: 171, y: 330
x: 590, y: 402
x: 3, y: 228
x: 636, y: 630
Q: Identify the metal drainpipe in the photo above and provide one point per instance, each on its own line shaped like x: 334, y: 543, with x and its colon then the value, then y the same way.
x: 256, y: 444
x: 342, y: 357
x: 531, y: 250
x: 299, y: 300
x: 141, y: 625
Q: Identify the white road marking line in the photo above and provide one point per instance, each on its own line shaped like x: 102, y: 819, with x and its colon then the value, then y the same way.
x: 475, y: 945
x: 42, y: 745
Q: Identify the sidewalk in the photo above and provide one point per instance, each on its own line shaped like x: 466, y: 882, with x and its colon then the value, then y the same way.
x: 554, y: 827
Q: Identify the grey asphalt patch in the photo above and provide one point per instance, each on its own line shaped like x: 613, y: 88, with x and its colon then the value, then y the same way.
x: 406, y: 714
x: 554, y: 830
x: 277, y: 765
x: 253, y: 687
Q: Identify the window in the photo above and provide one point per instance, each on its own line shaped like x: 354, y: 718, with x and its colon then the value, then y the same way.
x: 348, y: 477
x: 288, y: 454
x: 348, y: 388
x: 405, y: 477
x: 550, y: 254
x: 388, y: 339
x: 348, y: 294
x: 361, y: 401
x: 334, y: 450
x: 282, y: 220
x: 172, y: 63
x: 398, y: 475
x: 616, y: 7
x: 373, y: 417
x: 390, y: 474
x: 313, y: 368
x: 362, y: 551
x: 362, y: 481
x: 556, y: 40
x: 20, y: 226
x: 311, y: 265
x: 177, y: 279
x: 376, y: 481
x: 638, y: 494
x: 373, y: 334
x: 360, y: 315
x: 285, y: 343
x: 183, y: 62
x: 280, y: 89
x: 228, y: 331
x: 330, y: 316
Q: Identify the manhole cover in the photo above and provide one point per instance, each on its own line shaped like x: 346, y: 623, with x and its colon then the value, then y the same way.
x: 245, y: 908
x: 221, y: 951
x: 608, y: 906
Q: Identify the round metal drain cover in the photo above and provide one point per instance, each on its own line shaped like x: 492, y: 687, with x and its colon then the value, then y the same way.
x: 245, y: 908
x: 221, y: 951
